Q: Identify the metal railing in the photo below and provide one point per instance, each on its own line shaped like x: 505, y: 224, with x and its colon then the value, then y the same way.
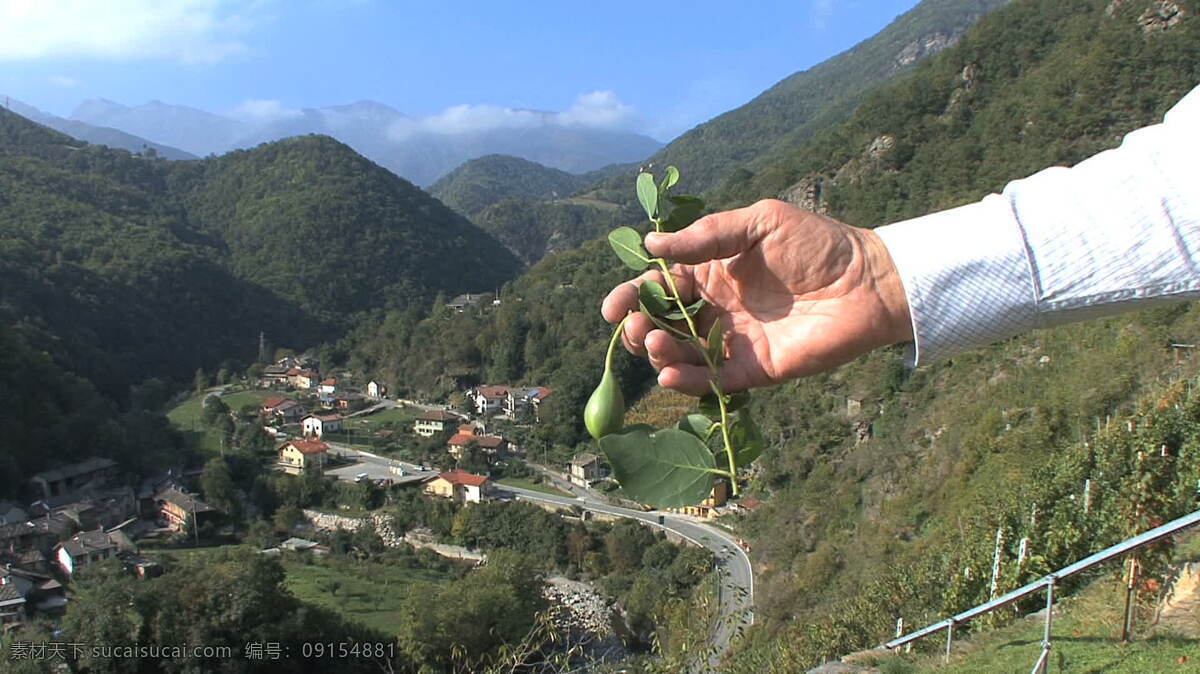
x: 1048, y: 582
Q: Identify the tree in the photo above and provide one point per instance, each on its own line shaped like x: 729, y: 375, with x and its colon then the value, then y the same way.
x: 217, y: 484
x: 200, y: 381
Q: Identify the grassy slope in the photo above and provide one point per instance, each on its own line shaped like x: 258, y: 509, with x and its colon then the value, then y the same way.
x: 370, y: 593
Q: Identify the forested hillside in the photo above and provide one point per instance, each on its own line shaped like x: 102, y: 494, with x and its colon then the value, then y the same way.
x: 881, y: 483
x: 734, y: 144
x: 481, y: 182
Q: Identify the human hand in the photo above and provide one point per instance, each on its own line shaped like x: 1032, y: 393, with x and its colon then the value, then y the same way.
x: 797, y: 293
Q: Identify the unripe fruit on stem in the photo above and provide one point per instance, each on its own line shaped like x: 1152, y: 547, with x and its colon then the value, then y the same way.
x: 605, y: 410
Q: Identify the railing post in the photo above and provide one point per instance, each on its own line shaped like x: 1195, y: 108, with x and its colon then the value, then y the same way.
x: 949, y: 637
x: 1043, y: 659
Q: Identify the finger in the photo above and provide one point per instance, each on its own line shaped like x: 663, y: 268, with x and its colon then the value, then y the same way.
x: 635, y: 332
x: 624, y: 298
x: 713, y: 237
x: 664, y: 350
x: 694, y: 379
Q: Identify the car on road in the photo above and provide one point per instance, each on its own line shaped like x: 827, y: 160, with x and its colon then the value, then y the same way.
x: 361, y: 476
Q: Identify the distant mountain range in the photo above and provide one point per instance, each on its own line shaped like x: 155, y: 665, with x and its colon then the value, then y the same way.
x: 97, y: 135
x: 410, y: 147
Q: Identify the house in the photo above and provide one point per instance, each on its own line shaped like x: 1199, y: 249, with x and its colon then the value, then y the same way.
x: 747, y: 504
x: 75, y: 476
x: 293, y: 376
x: 459, y: 486
x: 275, y: 374
x: 489, y: 444
x: 289, y: 411
x: 92, y: 508
x: 347, y: 401
x: 585, y: 469
x: 11, y: 513
x: 296, y: 456
x: 307, y: 379
x: 375, y: 389
x: 88, y: 547
x: 176, y: 508
x: 33, y: 587
x: 520, y: 401
x: 140, y: 566
x: 328, y: 385
x: 707, y: 508
x: 320, y: 424
x: 488, y: 399
x: 461, y: 302
x: 12, y: 605
x: 432, y: 422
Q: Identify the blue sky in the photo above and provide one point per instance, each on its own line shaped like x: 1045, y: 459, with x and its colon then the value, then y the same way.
x: 655, y: 66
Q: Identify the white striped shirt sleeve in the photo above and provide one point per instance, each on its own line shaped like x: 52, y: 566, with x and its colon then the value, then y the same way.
x: 1065, y: 244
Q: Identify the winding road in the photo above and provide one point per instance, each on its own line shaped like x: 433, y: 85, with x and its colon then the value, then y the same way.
x: 735, y: 598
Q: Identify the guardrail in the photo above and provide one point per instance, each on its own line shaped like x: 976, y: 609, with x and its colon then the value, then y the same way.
x: 1048, y: 582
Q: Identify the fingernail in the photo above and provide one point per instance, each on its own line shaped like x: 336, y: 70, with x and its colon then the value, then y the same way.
x: 653, y: 238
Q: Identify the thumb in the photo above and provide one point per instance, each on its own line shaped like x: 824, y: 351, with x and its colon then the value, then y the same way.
x: 713, y: 237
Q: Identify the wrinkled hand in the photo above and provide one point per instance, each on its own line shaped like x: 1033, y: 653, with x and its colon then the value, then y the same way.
x: 797, y: 293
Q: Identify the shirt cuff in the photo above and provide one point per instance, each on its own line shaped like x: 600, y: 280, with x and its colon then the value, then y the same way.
x: 967, y: 277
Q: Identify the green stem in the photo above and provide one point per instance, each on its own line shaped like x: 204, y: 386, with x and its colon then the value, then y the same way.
x: 712, y: 368
x: 612, y: 343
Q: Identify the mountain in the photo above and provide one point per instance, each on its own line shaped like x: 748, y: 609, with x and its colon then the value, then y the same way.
x: 196, y: 131
x: 810, y: 100
x: 97, y: 135
x: 419, y: 151
x: 482, y: 182
x: 721, y: 155
x: 124, y: 267
x: 883, y: 489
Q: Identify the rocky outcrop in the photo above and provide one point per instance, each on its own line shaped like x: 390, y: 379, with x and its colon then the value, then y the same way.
x: 576, y: 605
x: 1161, y: 16
x: 382, y: 522
x: 921, y: 47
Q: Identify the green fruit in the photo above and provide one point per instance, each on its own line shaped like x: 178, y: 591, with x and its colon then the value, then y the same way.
x: 605, y: 410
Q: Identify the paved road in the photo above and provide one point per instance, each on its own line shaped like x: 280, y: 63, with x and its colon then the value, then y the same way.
x: 736, y: 597
x: 376, y: 467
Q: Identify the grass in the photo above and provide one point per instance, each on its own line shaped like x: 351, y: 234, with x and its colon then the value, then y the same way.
x: 186, y: 417
x: 1085, y: 638
x: 370, y: 593
x: 524, y: 483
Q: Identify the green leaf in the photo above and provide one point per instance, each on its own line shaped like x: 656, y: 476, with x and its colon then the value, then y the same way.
x: 654, y: 298
x: 668, y: 181
x: 692, y: 308
x: 647, y: 193
x: 709, y: 405
x: 667, y: 468
x: 698, y: 425
x: 746, y: 438
x: 716, y: 343
x: 627, y: 243
x: 687, y: 210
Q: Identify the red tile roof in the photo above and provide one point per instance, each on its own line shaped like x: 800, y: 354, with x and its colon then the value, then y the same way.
x: 329, y: 382
x: 457, y: 476
x: 309, y: 446
x: 461, y: 439
x: 489, y: 441
x: 467, y: 428
x: 272, y: 402
x: 436, y: 415
x: 492, y: 391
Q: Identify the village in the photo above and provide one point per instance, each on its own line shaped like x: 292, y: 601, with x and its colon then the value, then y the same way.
x: 90, y: 511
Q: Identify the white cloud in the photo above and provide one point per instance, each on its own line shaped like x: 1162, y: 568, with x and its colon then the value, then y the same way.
x: 598, y: 109
x: 64, y: 81
x: 822, y: 10
x: 190, y: 31
x: 265, y: 110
